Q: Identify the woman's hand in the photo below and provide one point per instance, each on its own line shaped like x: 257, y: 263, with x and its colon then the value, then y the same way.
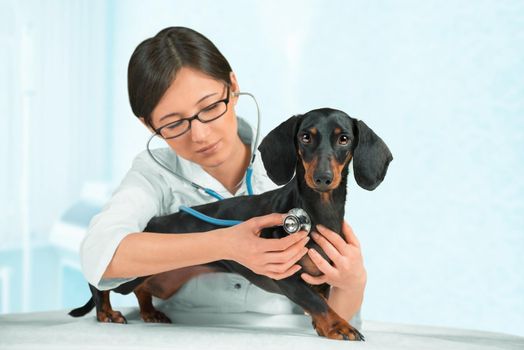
x: 348, y: 272
x: 275, y: 257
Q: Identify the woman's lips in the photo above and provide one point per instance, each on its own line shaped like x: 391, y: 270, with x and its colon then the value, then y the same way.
x: 209, y: 149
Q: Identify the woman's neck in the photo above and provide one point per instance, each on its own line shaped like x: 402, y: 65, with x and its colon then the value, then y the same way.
x: 231, y: 172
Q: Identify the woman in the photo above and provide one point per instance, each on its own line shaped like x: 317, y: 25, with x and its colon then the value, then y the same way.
x: 172, y: 76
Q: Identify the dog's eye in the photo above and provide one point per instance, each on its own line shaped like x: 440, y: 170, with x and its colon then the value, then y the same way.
x: 343, y: 140
x: 305, y: 138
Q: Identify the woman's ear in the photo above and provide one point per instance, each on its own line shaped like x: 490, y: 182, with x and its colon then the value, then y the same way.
x: 370, y: 159
x: 234, y: 87
x: 278, y: 151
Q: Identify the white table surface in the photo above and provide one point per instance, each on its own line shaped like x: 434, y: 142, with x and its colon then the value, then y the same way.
x: 57, y: 330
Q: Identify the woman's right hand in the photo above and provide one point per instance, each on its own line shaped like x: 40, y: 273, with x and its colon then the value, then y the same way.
x: 272, y: 257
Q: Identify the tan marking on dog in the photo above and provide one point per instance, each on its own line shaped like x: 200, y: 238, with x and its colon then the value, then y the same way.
x: 310, y: 170
x: 309, y: 266
x: 326, y: 197
x: 165, y: 284
x: 337, y: 168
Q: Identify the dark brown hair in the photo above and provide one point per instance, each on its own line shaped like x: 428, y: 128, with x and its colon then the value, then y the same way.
x: 155, y: 62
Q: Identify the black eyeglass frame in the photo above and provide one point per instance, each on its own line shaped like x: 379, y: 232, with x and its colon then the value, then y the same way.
x: 190, y: 119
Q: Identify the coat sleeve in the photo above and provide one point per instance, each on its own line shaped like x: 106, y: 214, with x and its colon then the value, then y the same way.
x: 137, y: 199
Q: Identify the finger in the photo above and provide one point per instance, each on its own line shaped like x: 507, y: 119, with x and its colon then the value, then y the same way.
x: 321, y: 263
x: 269, y: 220
x: 328, y: 248
x: 334, y: 238
x: 279, y: 244
x: 313, y: 279
x: 349, y: 234
x: 291, y: 271
x: 288, y: 254
x: 281, y: 267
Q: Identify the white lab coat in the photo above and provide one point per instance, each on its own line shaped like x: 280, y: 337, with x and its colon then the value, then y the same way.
x: 148, y: 190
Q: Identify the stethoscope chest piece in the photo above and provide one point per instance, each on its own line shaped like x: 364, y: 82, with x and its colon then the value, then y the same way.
x: 296, y: 220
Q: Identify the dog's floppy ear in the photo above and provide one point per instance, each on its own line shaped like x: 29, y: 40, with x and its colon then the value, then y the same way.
x: 370, y: 159
x: 279, y: 152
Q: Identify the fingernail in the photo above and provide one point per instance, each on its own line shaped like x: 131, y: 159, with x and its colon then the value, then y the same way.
x: 320, y: 227
x: 314, y: 235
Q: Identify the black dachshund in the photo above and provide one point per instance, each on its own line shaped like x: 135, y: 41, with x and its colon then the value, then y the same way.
x: 317, y: 147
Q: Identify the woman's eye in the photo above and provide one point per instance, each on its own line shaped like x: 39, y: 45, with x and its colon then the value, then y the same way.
x: 305, y: 138
x: 343, y: 140
x: 210, y: 108
x: 174, y: 124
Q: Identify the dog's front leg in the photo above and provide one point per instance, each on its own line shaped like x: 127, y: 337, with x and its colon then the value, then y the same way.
x: 326, y: 322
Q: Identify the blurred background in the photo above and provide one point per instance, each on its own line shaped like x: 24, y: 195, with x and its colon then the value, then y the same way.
x: 440, y: 81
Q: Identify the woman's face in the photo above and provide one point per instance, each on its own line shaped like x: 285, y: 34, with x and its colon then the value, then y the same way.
x: 207, y: 144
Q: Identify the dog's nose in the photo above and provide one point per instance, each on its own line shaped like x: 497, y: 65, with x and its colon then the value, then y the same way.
x: 323, y: 179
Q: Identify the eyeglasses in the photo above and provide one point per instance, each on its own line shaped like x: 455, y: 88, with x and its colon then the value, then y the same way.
x: 206, y: 115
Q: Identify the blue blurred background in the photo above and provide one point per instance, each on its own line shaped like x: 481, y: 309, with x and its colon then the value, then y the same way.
x: 440, y: 81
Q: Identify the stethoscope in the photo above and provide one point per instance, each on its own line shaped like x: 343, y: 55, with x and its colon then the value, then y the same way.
x: 296, y: 220
x: 249, y: 170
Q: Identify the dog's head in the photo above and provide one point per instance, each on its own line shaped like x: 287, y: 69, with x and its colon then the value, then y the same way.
x: 324, y: 141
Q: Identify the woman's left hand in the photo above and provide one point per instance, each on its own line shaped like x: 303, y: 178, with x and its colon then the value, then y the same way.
x: 348, y: 271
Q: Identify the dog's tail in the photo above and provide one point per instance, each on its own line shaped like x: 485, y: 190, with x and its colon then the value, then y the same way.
x: 81, y: 311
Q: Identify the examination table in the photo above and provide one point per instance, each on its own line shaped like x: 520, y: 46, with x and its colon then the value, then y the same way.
x: 57, y: 330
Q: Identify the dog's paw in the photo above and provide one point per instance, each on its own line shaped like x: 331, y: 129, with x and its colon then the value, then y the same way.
x: 110, y: 317
x: 340, y: 331
x: 155, y: 316
x: 351, y: 333
x: 331, y: 326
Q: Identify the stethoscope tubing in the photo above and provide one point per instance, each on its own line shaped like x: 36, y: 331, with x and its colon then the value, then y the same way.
x: 302, y: 221
x: 210, y: 192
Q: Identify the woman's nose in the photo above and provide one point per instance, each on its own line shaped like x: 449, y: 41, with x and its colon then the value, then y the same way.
x: 199, y: 131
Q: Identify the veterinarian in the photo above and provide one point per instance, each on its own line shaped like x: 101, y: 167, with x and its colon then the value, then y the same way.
x: 178, y: 74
